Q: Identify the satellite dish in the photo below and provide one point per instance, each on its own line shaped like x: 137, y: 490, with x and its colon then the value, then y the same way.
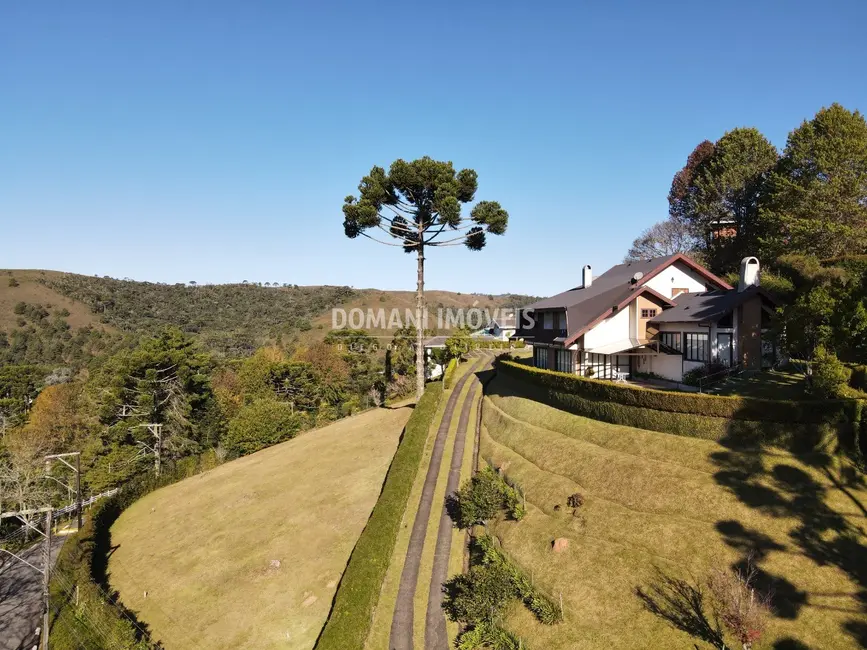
x: 638, y: 275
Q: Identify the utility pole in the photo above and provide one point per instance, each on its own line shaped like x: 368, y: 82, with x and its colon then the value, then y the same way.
x: 46, y: 562
x: 75, y: 468
x: 46, y: 574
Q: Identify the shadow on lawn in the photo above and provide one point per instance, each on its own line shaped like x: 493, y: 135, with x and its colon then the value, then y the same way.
x: 763, y: 480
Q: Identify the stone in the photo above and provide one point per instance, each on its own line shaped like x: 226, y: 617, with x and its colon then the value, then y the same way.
x: 275, y: 564
x: 309, y: 601
x: 560, y: 544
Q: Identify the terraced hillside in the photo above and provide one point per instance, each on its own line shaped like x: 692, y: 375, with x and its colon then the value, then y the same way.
x: 659, y: 506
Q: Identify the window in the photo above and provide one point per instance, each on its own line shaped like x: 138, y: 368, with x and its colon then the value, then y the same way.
x: 671, y: 340
x: 561, y: 320
x: 548, y: 320
x: 696, y: 346
x: 564, y: 361
x: 540, y: 357
x: 606, y: 366
x: 648, y: 313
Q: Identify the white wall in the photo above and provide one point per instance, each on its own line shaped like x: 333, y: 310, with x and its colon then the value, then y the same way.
x: 668, y: 366
x: 676, y: 276
x: 612, y: 329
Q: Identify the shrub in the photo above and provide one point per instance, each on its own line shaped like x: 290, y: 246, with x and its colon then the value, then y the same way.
x: 351, y: 614
x: 695, y: 376
x: 738, y: 604
x: 261, y: 424
x: 13, y: 282
x: 829, y: 375
x: 482, y: 497
x: 575, y: 500
x: 480, y: 595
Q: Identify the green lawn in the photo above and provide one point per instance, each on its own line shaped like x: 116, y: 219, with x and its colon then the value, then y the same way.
x: 658, y: 504
x: 771, y: 384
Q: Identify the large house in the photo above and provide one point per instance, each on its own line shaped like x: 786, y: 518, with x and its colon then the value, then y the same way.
x: 664, y: 316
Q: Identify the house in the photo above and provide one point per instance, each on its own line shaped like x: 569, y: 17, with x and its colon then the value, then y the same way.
x: 664, y: 316
x: 500, y: 328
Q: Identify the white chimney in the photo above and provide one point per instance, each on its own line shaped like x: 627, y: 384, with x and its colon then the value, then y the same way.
x: 750, y: 275
x: 588, y: 276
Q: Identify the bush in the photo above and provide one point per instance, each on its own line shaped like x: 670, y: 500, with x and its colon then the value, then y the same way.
x: 482, y: 497
x: 829, y: 375
x: 351, y: 614
x: 13, y: 282
x: 478, y: 598
x: 480, y: 595
x: 575, y: 500
x: 261, y: 424
x: 695, y: 376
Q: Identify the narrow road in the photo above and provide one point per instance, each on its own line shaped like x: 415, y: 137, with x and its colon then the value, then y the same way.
x: 435, y: 633
x: 402, y: 621
x: 21, y: 596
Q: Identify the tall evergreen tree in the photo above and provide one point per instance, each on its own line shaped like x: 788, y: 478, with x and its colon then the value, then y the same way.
x: 817, y: 201
x: 415, y: 203
x: 718, y: 193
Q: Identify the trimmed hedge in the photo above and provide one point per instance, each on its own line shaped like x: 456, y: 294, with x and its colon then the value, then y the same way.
x: 449, y: 374
x: 738, y: 420
x: 731, y: 407
x: 351, y: 614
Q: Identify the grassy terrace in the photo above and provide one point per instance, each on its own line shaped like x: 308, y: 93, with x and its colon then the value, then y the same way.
x: 679, y: 505
x: 202, y: 549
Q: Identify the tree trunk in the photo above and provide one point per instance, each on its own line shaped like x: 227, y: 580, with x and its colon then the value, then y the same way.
x: 419, y: 325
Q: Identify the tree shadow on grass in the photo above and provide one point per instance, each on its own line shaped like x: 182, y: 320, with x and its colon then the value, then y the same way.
x: 761, y: 478
x: 682, y: 605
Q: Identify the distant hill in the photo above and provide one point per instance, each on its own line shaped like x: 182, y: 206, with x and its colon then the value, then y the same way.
x: 231, y: 319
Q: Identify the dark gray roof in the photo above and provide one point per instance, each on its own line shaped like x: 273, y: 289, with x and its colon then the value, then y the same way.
x: 704, y: 306
x: 616, y: 278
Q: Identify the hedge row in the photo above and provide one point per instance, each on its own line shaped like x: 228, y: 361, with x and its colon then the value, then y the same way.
x: 86, y: 613
x: 358, y: 593
x: 449, y: 374
x: 738, y: 408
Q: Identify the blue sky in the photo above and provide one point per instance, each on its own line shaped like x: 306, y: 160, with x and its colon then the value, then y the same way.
x: 215, y: 141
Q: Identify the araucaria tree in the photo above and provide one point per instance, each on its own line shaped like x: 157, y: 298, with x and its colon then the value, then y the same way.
x: 419, y: 204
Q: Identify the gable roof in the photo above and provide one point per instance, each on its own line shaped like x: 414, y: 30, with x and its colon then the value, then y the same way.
x: 620, y: 277
x: 708, y: 305
x: 585, y: 315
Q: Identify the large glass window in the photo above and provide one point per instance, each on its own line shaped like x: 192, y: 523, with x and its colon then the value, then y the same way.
x: 565, y: 361
x: 548, y: 320
x: 606, y: 366
x: 696, y: 347
x: 671, y: 340
x: 540, y: 357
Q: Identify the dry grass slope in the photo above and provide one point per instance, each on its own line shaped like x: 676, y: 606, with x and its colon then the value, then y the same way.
x: 202, y: 549
x: 682, y: 505
x: 31, y: 291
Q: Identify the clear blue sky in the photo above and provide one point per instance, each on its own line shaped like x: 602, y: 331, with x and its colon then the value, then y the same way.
x: 215, y: 141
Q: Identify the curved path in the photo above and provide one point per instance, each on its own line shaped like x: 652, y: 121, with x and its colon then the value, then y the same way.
x: 435, y: 634
x: 402, y: 621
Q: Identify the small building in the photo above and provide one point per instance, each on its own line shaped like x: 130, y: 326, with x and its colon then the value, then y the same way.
x: 501, y: 327
x: 664, y: 316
